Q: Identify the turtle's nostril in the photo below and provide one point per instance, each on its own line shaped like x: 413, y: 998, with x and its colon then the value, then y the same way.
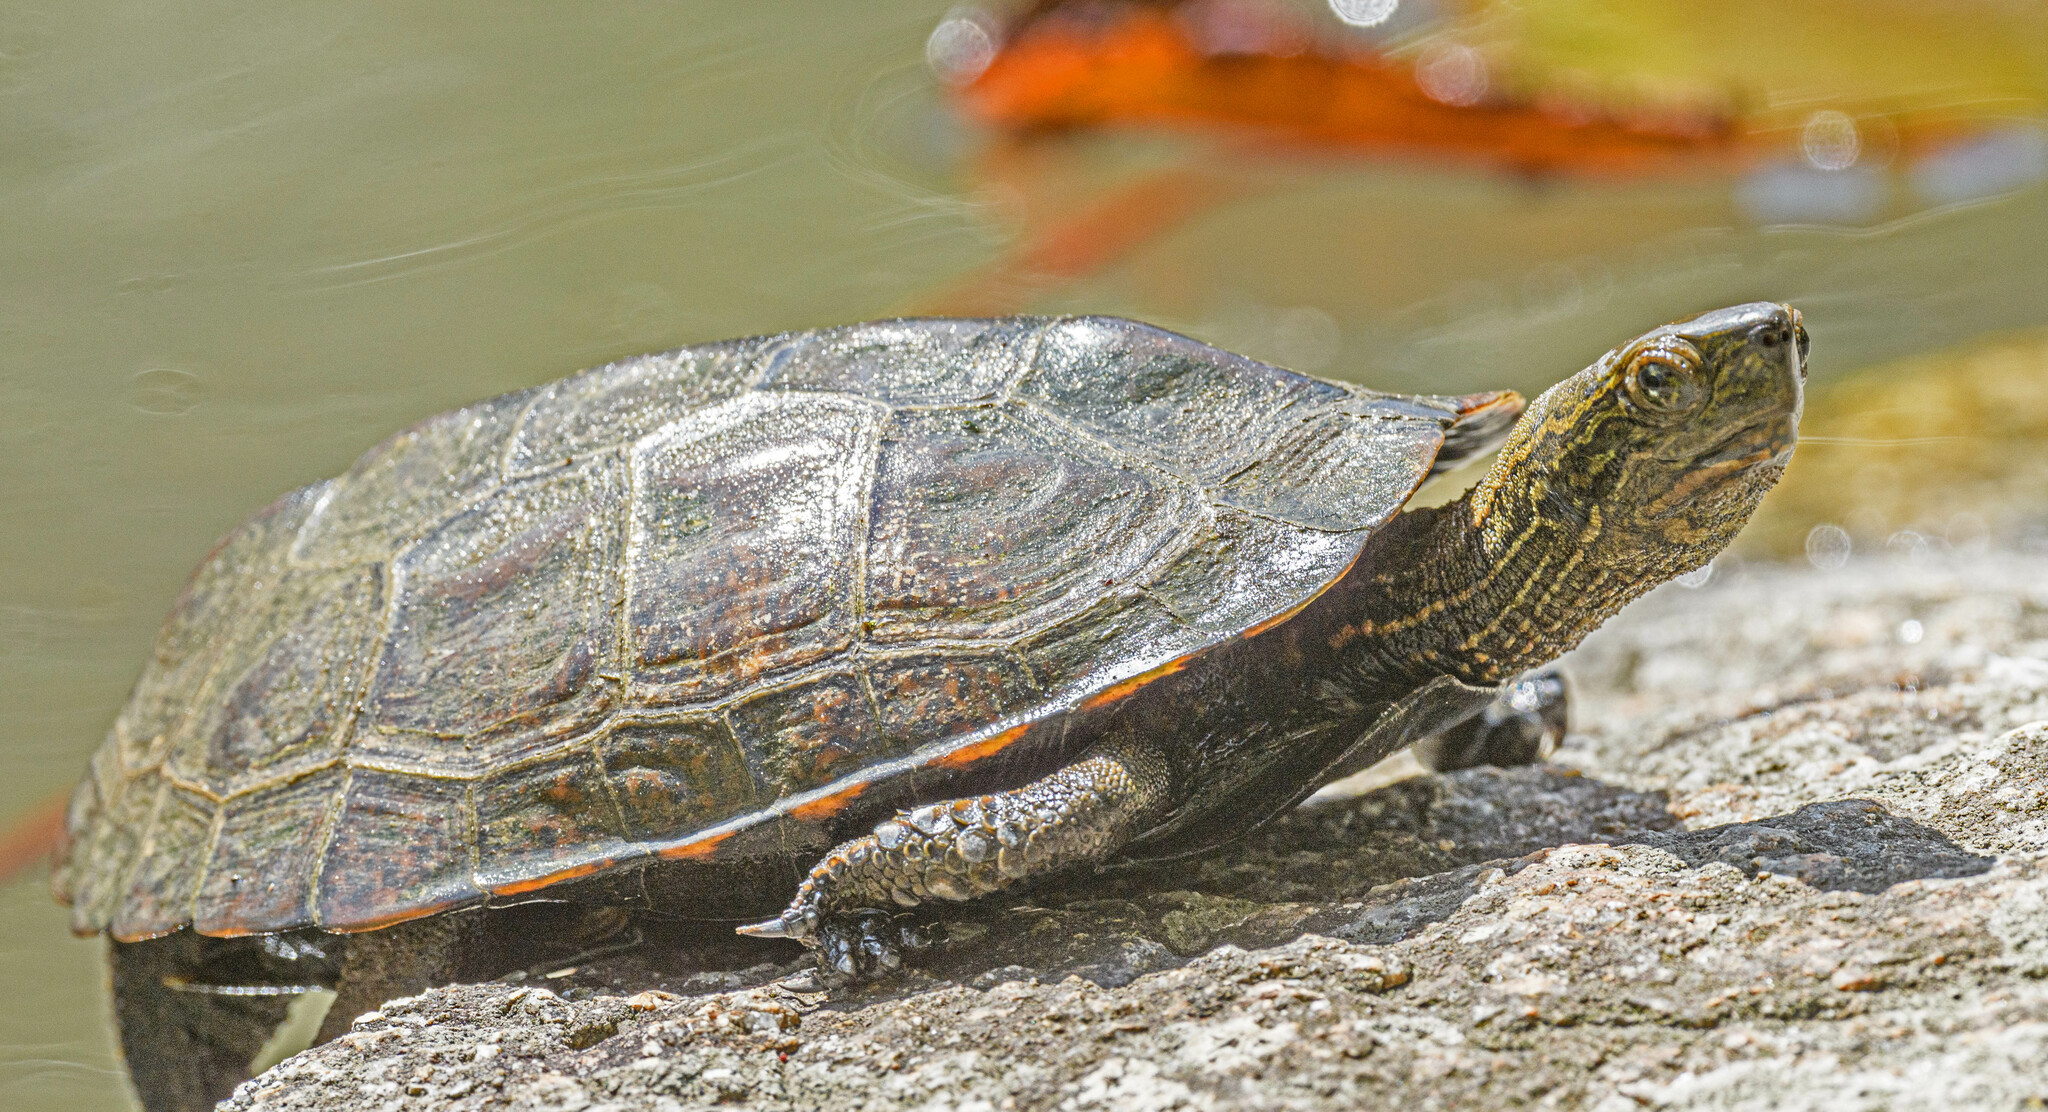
x: 1774, y: 332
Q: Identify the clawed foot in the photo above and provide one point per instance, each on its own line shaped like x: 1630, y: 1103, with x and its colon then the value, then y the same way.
x: 854, y: 947
x: 945, y: 851
x: 868, y: 944
x: 962, y: 849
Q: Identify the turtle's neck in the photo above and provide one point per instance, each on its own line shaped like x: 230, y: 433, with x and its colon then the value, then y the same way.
x: 1434, y: 594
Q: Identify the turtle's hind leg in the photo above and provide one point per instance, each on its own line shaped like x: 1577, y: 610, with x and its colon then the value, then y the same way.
x: 964, y: 848
x: 192, y: 1012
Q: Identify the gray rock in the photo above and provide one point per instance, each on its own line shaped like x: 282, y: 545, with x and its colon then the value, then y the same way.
x: 1796, y: 856
x: 1850, y: 845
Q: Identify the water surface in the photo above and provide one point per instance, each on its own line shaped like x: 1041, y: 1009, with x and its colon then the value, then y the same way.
x: 242, y: 242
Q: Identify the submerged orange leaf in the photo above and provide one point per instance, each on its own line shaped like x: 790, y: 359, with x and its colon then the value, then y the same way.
x: 1135, y: 63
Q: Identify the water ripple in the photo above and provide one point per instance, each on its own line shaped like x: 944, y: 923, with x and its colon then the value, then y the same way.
x: 564, y: 207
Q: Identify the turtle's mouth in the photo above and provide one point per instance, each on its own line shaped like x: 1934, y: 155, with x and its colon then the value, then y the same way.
x: 1752, y: 451
x: 1766, y: 442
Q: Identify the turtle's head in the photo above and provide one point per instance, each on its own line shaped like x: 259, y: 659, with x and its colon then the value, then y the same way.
x: 1639, y: 468
x: 1655, y: 456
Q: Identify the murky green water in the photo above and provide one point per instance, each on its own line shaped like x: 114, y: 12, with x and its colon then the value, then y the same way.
x: 241, y: 242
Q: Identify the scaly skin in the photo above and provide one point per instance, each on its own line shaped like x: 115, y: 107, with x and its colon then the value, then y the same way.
x: 966, y: 848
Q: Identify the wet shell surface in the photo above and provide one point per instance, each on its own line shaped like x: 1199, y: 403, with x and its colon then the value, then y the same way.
x: 684, y: 605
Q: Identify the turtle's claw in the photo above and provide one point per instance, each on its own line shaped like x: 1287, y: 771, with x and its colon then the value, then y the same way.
x: 866, y: 944
x: 805, y: 980
x: 915, y: 935
x: 878, y: 950
x: 786, y: 925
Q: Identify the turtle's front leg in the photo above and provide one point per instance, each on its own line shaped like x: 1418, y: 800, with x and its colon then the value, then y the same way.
x: 1521, y: 726
x: 964, y: 848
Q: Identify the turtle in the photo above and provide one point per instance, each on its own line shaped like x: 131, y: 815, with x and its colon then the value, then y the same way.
x: 884, y: 616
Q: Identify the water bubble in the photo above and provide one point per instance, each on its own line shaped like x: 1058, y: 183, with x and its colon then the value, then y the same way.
x: 164, y: 392
x: 1913, y: 545
x: 1526, y: 696
x: 1364, y: 13
x: 1452, y: 74
x: 1967, y: 530
x: 1828, y: 547
x: 960, y: 47
x: 1910, y: 632
x: 1697, y: 577
x: 1830, y: 140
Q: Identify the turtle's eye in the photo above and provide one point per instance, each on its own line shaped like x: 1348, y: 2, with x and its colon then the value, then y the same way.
x: 1660, y: 381
x: 1657, y: 384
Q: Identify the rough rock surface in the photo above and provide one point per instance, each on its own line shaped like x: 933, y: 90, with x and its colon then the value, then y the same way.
x: 1796, y: 855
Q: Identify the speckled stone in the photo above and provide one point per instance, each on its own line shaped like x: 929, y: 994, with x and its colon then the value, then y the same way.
x: 1792, y: 858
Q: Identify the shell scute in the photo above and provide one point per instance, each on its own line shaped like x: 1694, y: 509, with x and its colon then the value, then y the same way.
x: 400, y: 848
x: 618, y: 403
x: 1170, y: 400
x: 1213, y: 588
x: 991, y: 524
x: 544, y: 818
x: 1115, y: 638
x: 744, y: 519
x: 1337, y: 471
x: 806, y: 734
x: 289, y: 676
x: 243, y: 571
x: 905, y: 362
x: 89, y: 821
x: 266, y: 854
x: 941, y: 693
x: 165, y: 882
x: 102, y: 876
x: 682, y: 774
x: 407, y: 484
x: 505, y: 618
